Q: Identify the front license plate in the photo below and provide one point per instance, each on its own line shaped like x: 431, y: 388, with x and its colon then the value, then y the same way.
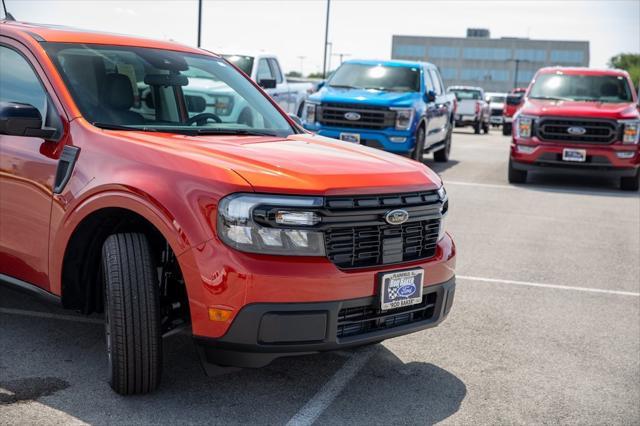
x: 350, y: 137
x: 401, y: 288
x: 577, y: 155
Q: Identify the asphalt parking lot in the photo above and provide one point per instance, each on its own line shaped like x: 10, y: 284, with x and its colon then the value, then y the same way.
x: 545, y: 329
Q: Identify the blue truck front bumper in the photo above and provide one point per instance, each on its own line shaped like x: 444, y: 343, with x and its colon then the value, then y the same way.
x: 380, y: 139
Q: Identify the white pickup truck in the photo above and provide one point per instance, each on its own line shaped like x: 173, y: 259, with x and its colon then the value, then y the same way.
x: 472, y: 109
x: 265, y: 69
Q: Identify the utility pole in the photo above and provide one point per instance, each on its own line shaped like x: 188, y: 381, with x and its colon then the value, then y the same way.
x: 341, y: 56
x: 199, y: 22
x: 515, y: 78
x: 326, y: 41
x: 302, y: 58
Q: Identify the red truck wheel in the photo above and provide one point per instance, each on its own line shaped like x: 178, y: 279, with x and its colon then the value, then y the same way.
x: 515, y: 175
x: 630, y: 183
x: 132, y: 314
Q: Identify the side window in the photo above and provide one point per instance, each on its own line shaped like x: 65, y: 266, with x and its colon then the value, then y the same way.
x: 275, y: 67
x: 436, y: 81
x: 428, y: 84
x: 264, y: 71
x: 19, y: 83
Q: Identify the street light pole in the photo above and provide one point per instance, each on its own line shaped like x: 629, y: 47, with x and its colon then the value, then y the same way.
x: 326, y: 41
x: 515, y: 77
x: 199, y: 22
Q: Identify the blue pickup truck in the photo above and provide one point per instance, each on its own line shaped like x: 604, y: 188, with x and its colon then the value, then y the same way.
x: 397, y: 106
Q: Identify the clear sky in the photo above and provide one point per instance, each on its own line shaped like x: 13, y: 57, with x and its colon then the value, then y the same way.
x: 360, y: 28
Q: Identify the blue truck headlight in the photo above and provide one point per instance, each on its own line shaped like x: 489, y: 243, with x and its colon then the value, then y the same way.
x: 238, y: 229
x: 404, y: 118
x: 309, y: 115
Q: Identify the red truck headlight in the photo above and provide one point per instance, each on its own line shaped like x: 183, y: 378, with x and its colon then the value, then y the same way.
x: 524, y: 127
x: 293, y: 218
x: 630, y: 131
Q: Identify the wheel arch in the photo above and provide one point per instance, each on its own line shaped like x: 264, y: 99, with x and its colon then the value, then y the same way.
x: 81, y: 239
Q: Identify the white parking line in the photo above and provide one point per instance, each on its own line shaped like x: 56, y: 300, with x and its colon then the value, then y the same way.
x: 310, y: 412
x: 51, y: 316
x: 483, y: 185
x: 554, y: 286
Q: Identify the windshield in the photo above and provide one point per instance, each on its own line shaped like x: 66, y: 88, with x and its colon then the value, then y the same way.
x: 497, y: 99
x: 245, y: 63
x: 377, y: 77
x: 598, y: 88
x: 466, y: 94
x: 514, y: 99
x: 134, y: 88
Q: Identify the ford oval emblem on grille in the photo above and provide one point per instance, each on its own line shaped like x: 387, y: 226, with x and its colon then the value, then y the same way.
x: 352, y: 116
x: 396, y: 217
x: 576, y: 130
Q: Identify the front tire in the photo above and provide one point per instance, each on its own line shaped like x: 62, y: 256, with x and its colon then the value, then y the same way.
x: 515, y: 175
x: 442, y: 156
x: 476, y: 127
x: 418, y: 150
x: 132, y: 314
x: 630, y: 183
x: 506, y: 129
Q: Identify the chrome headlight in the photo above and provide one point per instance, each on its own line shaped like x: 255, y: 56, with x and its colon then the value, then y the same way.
x: 524, y: 127
x: 630, y: 131
x: 309, y: 115
x: 271, y: 224
x: 444, y: 199
x: 404, y: 118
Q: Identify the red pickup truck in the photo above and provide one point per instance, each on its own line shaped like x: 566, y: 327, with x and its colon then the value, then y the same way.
x: 123, y: 190
x: 578, y: 120
x: 512, y: 103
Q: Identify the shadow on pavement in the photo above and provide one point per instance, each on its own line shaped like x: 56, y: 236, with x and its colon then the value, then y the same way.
x: 439, y: 167
x: 578, y: 184
x: 62, y: 366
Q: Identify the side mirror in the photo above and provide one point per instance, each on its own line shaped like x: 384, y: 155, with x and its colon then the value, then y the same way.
x: 430, y: 96
x: 267, y: 83
x: 18, y: 119
x: 296, y: 119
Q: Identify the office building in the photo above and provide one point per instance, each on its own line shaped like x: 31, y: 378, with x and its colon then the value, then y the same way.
x: 491, y: 63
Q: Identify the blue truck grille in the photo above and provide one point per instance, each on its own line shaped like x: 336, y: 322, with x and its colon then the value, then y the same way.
x: 370, y: 117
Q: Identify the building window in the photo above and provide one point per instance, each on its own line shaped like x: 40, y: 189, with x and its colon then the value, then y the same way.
x: 572, y: 56
x: 444, y: 52
x: 410, y: 50
x: 486, y: 53
x: 477, y: 74
x: 525, y: 76
x: 449, y: 73
x: 535, y: 55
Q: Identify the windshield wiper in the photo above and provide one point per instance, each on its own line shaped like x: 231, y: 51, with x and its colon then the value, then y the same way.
x: 109, y: 126
x: 551, y: 98
x: 233, y: 132
x: 343, y: 86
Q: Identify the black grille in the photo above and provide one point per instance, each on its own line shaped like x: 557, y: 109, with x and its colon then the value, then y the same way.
x: 496, y: 112
x: 371, y: 117
x: 357, y: 235
x: 365, y: 319
x: 596, y: 131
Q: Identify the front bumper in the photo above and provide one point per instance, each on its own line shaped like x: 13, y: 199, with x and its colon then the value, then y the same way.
x: 600, y: 160
x: 465, y: 120
x: 495, y: 119
x: 380, y: 139
x: 262, y: 332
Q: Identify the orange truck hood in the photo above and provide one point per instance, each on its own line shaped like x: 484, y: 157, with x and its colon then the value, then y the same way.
x: 300, y: 164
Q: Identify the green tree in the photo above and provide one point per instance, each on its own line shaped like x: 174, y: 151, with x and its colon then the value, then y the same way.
x: 629, y: 62
x: 294, y: 74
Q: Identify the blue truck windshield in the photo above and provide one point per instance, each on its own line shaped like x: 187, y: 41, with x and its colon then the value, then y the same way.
x: 376, y: 77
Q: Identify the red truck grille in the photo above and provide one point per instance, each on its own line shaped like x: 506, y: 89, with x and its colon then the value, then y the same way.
x: 370, y: 117
x: 358, y: 236
x: 595, y: 131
